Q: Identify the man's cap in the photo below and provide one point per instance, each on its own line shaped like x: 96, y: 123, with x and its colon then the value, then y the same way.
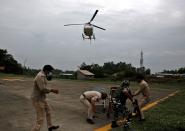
x: 48, y: 68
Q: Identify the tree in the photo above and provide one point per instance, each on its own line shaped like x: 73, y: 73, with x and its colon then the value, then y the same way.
x: 110, y: 69
x: 11, y: 65
x: 148, y: 71
x: 181, y: 70
x: 97, y: 70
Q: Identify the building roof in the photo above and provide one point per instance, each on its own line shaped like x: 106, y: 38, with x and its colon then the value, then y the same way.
x: 86, y: 72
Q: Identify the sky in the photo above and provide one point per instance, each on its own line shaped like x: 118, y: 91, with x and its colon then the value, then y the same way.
x: 33, y: 32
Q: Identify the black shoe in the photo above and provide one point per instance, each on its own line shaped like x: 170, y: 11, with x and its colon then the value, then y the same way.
x: 53, y: 128
x: 114, y: 124
x: 142, y: 119
x: 129, y: 120
x: 90, y: 121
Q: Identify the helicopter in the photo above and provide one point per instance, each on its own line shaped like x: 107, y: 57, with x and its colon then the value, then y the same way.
x: 88, y: 28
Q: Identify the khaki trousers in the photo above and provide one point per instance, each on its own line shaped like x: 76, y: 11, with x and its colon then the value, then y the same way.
x: 42, y: 110
x: 90, y: 112
x: 142, y: 103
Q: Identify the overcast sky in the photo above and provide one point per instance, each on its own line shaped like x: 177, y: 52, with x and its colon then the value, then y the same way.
x: 33, y: 32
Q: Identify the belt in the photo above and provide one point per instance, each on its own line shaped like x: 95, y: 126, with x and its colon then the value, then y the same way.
x: 84, y: 96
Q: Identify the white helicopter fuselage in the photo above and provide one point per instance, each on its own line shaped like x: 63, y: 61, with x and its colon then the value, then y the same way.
x: 88, y: 30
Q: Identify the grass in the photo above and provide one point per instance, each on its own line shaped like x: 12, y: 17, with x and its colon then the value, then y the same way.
x: 3, y: 75
x: 167, y: 116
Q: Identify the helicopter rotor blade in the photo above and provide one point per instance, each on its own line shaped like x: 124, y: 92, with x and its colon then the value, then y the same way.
x: 72, y: 24
x: 93, y: 16
x: 98, y: 27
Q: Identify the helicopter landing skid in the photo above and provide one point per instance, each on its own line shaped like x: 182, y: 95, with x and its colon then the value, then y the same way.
x: 94, y: 36
x: 88, y: 37
x: 83, y: 36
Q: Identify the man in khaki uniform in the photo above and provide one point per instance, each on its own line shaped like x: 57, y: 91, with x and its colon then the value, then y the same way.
x: 143, y: 89
x: 38, y: 98
x: 89, y: 98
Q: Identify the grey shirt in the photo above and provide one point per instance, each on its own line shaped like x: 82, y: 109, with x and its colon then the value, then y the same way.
x: 39, y: 88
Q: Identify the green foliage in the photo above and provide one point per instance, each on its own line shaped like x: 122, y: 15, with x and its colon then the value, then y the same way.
x: 94, y: 68
x: 10, y: 64
x: 180, y: 71
x: 30, y: 72
x: 111, y: 70
x: 148, y: 71
x: 56, y: 72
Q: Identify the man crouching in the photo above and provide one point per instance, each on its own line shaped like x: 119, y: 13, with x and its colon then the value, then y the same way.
x: 89, y: 98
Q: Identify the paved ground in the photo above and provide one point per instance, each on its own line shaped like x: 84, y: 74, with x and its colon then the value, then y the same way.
x: 17, y: 113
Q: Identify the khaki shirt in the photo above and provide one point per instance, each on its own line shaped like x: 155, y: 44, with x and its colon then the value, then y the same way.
x: 39, y: 88
x: 144, y: 89
x: 92, y: 96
